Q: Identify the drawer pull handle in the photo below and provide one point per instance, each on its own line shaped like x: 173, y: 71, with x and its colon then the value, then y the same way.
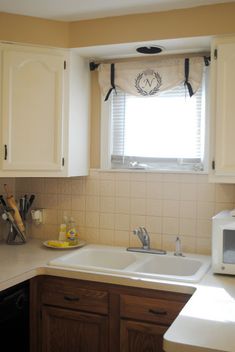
x: 158, y: 311
x: 71, y: 299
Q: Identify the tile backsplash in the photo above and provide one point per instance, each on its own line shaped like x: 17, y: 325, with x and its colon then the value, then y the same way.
x: 107, y: 206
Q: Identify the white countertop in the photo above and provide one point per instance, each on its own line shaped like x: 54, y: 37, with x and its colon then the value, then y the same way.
x: 206, y: 323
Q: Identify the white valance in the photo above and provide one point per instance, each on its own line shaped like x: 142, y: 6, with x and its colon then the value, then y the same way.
x: 149, y: 78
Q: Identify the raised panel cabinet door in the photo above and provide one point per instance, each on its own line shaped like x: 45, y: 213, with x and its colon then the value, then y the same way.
x: 141, y: 337
x: 32, y: 109
x: 73, y: 331
x: 225, y: 110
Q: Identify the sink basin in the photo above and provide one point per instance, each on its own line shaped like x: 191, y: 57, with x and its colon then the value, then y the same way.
x: 99, y: 258
x: 172, y: 267
x: 116, y: 260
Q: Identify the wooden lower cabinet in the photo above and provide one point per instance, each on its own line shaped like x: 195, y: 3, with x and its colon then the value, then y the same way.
x: 70, y: 315
x: 137, y: 336
x: 66, y: 330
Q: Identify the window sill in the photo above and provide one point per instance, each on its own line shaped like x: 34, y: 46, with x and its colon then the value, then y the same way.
x: 150, y: 171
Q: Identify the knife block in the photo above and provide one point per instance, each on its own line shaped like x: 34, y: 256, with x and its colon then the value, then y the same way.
x: 14, y: 236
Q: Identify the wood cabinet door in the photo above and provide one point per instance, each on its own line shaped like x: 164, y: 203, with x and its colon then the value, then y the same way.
x: 141, y: 337
x: 32, y: 109
x: 224, y: 104
x: 73, y: 331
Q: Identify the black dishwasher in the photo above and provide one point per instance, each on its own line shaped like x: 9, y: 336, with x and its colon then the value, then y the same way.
x: 14, y: 318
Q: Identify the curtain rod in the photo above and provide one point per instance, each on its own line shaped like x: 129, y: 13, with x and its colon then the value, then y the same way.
x: 94, y: 65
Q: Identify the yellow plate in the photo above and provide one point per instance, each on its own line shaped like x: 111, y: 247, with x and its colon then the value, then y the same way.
x: 47, y: 244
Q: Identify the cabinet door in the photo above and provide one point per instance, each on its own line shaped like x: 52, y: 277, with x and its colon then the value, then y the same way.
x: 141, y: 337
x: 224, y: 103
x: 32, y: 109
x: 73, y: 331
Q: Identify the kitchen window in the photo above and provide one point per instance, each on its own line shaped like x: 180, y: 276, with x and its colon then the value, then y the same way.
x: 162, y: 132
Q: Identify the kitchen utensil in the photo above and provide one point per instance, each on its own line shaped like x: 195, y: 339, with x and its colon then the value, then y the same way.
x: 12, y: 203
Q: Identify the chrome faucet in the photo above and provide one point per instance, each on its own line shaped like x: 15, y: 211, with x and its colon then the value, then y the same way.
x: 178, y: 251
x: 144, y: 238
x: 143, y: 235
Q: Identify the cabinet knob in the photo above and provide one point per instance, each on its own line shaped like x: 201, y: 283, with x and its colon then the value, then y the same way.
x: 71, y: 298
x: 158, y: 311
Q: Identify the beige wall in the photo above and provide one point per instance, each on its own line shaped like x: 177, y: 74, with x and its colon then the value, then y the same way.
x: 32, y: 30
x: 199, y: 21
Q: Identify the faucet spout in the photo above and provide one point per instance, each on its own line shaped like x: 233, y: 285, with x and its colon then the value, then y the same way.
x: 143, y: 236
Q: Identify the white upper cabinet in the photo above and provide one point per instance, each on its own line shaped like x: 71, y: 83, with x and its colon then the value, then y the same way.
x: 222, y: 128
x: 44, y: 113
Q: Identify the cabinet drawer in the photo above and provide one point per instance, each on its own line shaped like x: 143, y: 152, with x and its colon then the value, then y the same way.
x: 149, y: 309
x: 74, y: 296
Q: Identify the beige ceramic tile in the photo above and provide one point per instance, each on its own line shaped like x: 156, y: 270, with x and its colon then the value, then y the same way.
x: 138, y: 189
x: 205, y: 210
x: 171, y: 190
x: 92, y: 203
x: 50, y: 216
x: 122, y: 222
x: 205, y: 192
x: 79, y: 218
x: 188, y: 209
x: 168, y: 242
x: 188, y: 191
x: 107, y: 236
x: 92, y: 187
x: 138, y: 206
x: 122, y: 189
x: 154, y: 190
x: 154, y: 177
x: 121, y: 238
x: 171, y: 208
x: 171, y: 177
x: 78, y: 203
x: 37, y: 185
x: 49, y: 201
x: 122, y: 205
x: 64, y: 186
x: 204, y: 228
x: 202, y: 178
x: 64, y: 201
x: 188, y: 244
x: 170, y: 226
x: 107, y: 221
x: 223, y: 206
x: 154, y: 224
x: 188, y: 178
x: 92, y: 219
x: 138, y: 176
x: 187, y: 227
x: 107, y: 188
x: 51, y: 232
x: 78, y: 186
x: 122, y: 176
x: 224, y: 193
x: 203, y: 246
x: 107, y: 176
x: 92, y: 235
x: 137, y: 221
x: 154, y: 207
x: 107, y: 204
x: 156, y: 241
x: 50, y: 185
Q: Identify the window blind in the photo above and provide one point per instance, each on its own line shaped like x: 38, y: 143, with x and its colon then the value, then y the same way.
x: 164, y: 131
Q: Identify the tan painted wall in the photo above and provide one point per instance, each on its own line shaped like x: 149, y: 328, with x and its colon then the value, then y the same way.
x: 32, y: 30
x: 199, y: 21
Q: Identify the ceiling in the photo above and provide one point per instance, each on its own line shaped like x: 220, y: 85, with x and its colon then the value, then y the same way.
x: 72, y: 10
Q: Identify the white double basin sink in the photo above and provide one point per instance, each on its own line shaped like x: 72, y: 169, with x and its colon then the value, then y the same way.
x: 117, y: 261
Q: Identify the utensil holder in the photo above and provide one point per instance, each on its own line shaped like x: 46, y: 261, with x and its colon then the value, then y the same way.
x: 15, y: 236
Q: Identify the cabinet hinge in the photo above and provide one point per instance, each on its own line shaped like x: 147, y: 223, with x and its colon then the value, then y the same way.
x: 213, y: 165
x: 62, y: 161
x: 215, y: 54
x: 65, y: 65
